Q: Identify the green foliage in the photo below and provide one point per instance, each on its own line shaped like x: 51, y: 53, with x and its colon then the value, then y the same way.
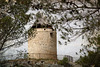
x: 13, y: 19
x: 93, y: 58
x: 39, y: 15
x: 25, y: 56
x: 98, y: 40
x: 98, y: 2
x: 64, y: 61
x: 88, y: 0
x: 63, y: 37
x: 60, y: 42
x: 2, y: 2
x: 63, y: 0
x: 31, y: 33
x: 24, y: 2
x: 5, y: 19
x: 67, y: 10
x: 95, y: 40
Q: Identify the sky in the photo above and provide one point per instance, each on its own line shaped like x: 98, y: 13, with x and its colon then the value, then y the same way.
x: 69, y: 49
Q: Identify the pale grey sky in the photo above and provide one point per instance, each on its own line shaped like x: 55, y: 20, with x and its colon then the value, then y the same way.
x: 69, y: 49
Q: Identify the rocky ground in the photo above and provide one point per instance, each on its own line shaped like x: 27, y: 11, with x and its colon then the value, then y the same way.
x: 35, y: 63
x: 30, y: 63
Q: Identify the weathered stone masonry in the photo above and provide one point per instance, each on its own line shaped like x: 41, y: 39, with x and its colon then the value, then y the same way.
x: 43, y: 45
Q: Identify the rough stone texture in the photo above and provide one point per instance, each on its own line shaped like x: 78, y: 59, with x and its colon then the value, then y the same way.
x: 29, y: 63
x: 43, y: 45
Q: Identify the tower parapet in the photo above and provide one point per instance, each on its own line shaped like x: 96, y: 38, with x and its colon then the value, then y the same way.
x: 43, y: 45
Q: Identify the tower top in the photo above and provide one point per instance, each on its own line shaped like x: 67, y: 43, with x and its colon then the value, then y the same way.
x: 41, y: 24
x: 42, y: 21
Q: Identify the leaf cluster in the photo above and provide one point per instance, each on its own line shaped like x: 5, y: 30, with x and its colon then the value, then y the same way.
x: 92, y: 59
x: 13, y: 19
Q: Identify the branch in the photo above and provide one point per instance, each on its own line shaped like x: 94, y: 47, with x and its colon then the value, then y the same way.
x: 75, y: 6
x: 63, y: 9
x: 13, y: 44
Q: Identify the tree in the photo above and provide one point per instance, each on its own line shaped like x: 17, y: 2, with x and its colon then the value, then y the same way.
x: 76, y: 17
x: 72, y: 18
x: 13, y: 19
x: 64, y: 62
x: 92, y: 59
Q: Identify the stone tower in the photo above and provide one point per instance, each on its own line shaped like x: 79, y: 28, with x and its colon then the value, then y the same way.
x: 43, y: 44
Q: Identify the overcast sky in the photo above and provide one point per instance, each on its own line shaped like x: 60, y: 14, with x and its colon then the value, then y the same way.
x: 69, y: 49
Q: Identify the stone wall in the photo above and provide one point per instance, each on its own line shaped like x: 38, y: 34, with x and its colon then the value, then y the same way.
x: 43, y: 45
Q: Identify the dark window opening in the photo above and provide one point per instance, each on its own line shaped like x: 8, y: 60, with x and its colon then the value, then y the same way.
x: 42, y: 62
x: 51, y: 34
x: 41, y: 26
